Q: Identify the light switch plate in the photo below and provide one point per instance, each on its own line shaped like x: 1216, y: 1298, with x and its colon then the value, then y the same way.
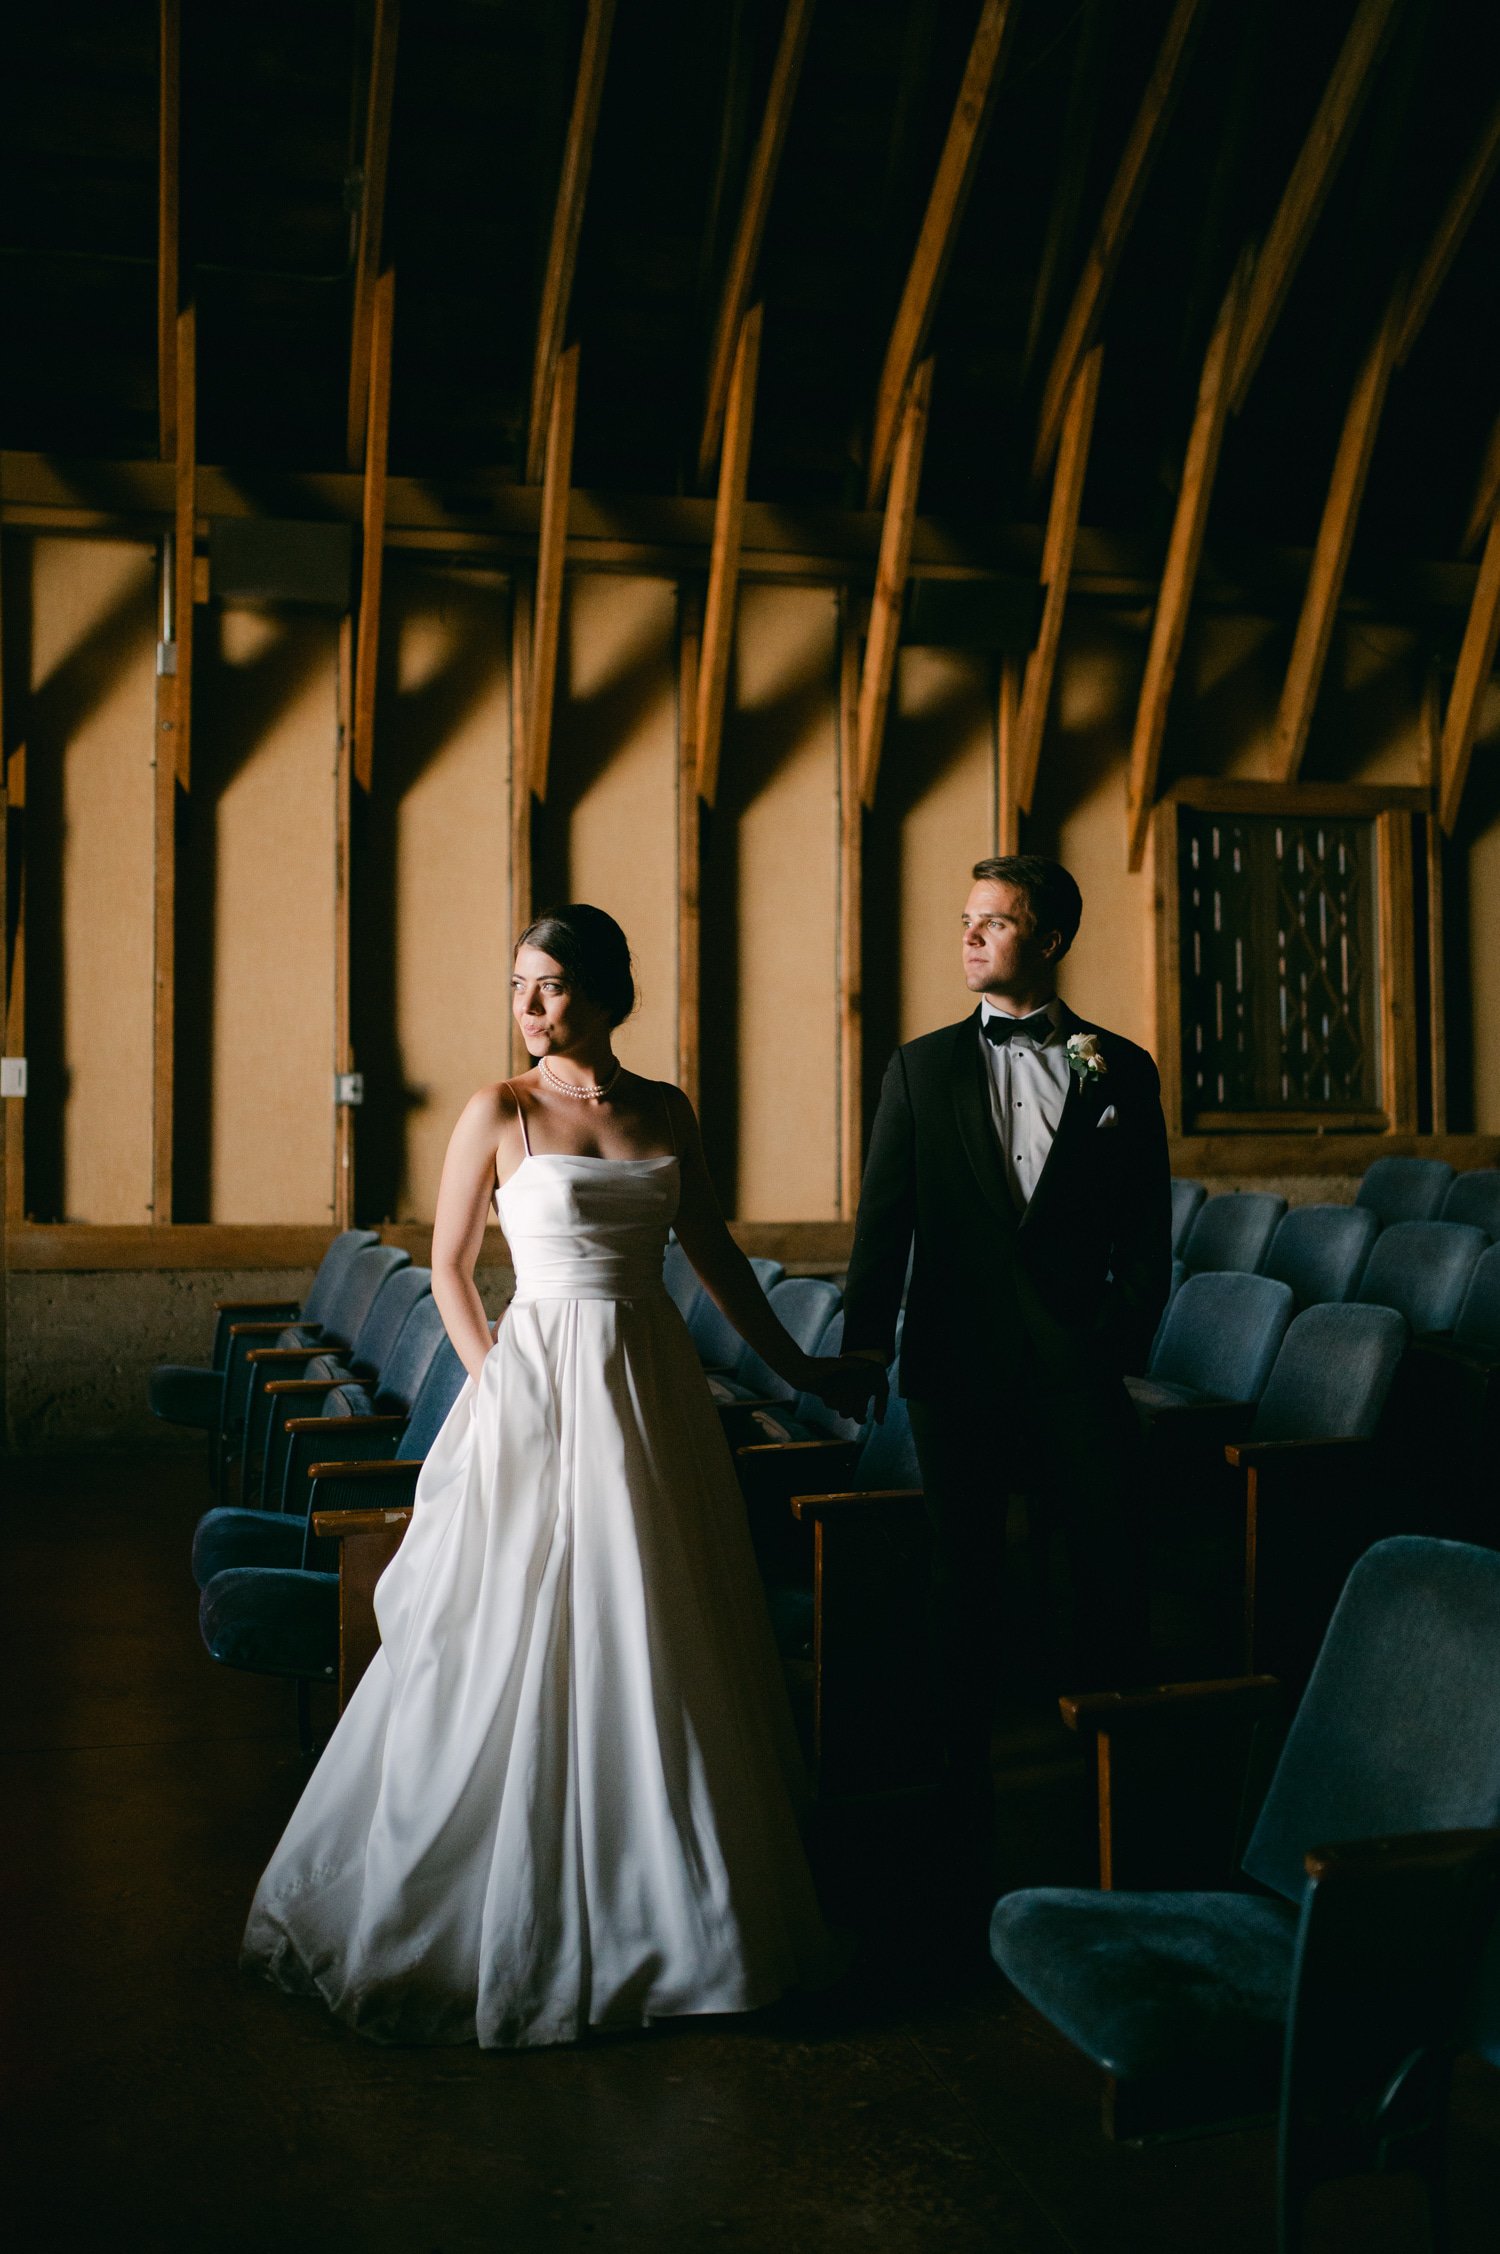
x: 12, y: 1076
x: 348, y: 1087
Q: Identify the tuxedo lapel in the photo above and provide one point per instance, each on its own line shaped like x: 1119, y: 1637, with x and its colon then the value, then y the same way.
x: 976, y: 1128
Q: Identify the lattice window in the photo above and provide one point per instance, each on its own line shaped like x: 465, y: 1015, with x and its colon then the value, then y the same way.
x: 1278, y: 966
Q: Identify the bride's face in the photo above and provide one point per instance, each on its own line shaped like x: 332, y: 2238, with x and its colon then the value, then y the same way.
x: 553, y: 1014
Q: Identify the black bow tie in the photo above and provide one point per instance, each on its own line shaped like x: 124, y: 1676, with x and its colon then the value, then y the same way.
x: 999, y: 1028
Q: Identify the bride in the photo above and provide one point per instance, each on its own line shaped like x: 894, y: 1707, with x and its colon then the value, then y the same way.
x: 563, y: 1795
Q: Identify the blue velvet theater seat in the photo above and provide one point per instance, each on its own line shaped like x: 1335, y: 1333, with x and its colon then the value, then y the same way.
x: 344, y: 1433
x: 1321, y: 1250
x: 804, y: 1305
x: 1217, y: 1342
x: 1422, y: 1269
x: 293, y: 1392
x: 1404, y: 1189
x: 1345, y: 1966
x: 181, y: 1393
x: 1232, y: 1231
x: 1186, y: 1199
x: 293, y: 1347
x: 1474, y: 1197
x: 269, y: 1601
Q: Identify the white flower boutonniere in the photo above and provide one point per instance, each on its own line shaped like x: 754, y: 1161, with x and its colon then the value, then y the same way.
x: 1084, y: 1061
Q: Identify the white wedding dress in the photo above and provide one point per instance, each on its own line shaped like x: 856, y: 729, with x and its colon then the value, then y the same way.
x: 562, y: 1796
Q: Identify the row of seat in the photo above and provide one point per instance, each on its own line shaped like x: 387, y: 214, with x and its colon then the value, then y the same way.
x: 1235, y: 1229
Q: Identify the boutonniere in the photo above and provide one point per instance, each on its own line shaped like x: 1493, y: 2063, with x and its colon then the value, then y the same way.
x: 1084, y: 1060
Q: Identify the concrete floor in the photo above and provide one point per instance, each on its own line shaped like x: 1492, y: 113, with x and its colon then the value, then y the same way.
x: 156, y: 2099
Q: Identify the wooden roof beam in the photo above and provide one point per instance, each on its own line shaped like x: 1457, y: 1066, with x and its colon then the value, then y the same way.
x: 724, y: 555
x: 1486, y: 492
x: 567, y: 225
x: 552, y: 548
x: 1464, y: 202
x: 379, y: 106
x: 168, y: 221
x: 1406, y: 310
x: 892, y: 565
x: 945, y: 208
x: 372, y: 519
x: 1184, y: 552
x: 1330, y: 557
x: 1476, y: 662
x: 744, y: 256
x: 1120, y: 207
x: 1307, y: 187
x: 1057, y: 570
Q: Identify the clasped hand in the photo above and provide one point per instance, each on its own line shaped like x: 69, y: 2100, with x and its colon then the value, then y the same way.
x: 846, y: 1384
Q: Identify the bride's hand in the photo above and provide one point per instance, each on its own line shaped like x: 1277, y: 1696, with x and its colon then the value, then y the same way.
x: 846, y: 1382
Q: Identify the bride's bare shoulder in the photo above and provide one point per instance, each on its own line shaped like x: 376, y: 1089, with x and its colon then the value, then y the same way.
x: 493, y: 1108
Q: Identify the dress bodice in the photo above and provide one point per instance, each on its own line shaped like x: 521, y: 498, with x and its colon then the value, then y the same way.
x: 588, y: 1228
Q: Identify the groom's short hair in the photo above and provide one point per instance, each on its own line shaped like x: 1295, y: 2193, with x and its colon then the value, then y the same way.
x: 1052, y: 894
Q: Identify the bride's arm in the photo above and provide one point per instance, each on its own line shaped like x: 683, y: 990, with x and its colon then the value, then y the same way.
x: 463, y: 1208
x: 734, y: 1287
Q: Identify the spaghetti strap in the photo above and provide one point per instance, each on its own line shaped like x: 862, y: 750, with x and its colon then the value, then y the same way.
x: 521, y: 1116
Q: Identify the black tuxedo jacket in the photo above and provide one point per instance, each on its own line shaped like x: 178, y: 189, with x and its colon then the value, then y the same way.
x: 1073, y: 1287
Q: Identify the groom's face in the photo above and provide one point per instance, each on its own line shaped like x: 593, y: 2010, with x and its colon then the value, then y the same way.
x: 1004, y: 953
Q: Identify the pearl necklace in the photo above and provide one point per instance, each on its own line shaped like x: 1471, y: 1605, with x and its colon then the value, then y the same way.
x: 580, y: 1094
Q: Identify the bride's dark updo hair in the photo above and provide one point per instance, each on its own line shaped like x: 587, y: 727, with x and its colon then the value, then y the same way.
x: 593, y: 951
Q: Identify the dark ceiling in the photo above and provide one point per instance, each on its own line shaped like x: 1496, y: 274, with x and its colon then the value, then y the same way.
x: 273, y: 102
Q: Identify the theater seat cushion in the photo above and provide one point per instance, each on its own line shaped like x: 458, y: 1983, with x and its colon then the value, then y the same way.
x: 1144, y: 1982
x: 272, y: 1622
x: 183, y: 1395
x: 228, y: 1536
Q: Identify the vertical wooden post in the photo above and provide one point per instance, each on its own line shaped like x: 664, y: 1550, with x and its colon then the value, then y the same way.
x: 689, y: 846
x: 1007, y: 711
x: 13, y: 974
x: 1168, y: 961
x: 552, y: 552
x: 1398, y: 1046
x: 520, y: 788
x: 851, y: 1125
x: 372, y: 548
x: 343, y: 1047
x: 1437, y: 992
x: 168, y: 220
x: 185, y: 496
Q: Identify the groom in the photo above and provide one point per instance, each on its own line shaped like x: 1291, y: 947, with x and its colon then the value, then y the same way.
x: 1020, y: 1159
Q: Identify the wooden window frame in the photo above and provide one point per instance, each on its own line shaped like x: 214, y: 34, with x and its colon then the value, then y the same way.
x: 1396, y: 939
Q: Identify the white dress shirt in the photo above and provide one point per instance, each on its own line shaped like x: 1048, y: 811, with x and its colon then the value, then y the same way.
x: 1028, y: 1088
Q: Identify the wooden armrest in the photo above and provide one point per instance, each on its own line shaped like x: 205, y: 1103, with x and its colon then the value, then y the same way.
x: 1245, y: 1453
x: 854, y: 1499
x: 781, y: 1449
x: 345, y: 1424
x: 308, y: 1385
x: 1401, y: 1852
x: 1204, y: 1412
x: 385, y: 1468
x: 1232, y: 1698
x: 340, y: 1525
x: 279, y: 1322
x: 256, y: 1306
x: 260, y: 1354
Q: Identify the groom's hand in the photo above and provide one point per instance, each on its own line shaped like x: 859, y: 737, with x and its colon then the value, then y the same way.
x: 848, y: 1383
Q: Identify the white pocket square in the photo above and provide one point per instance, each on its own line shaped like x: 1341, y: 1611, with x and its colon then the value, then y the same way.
x: 1108, y: 1117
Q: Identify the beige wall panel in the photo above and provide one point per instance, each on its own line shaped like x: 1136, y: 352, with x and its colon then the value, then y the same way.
x: 1223, y: 714
x: 93, y: 679
x: 445, y: 740
x: 614, y: 782
x: 778, y: 793
x: 1368, y: 726
x: 1079, y: 815
x: 937, y: 784
x: 271, y: 1140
